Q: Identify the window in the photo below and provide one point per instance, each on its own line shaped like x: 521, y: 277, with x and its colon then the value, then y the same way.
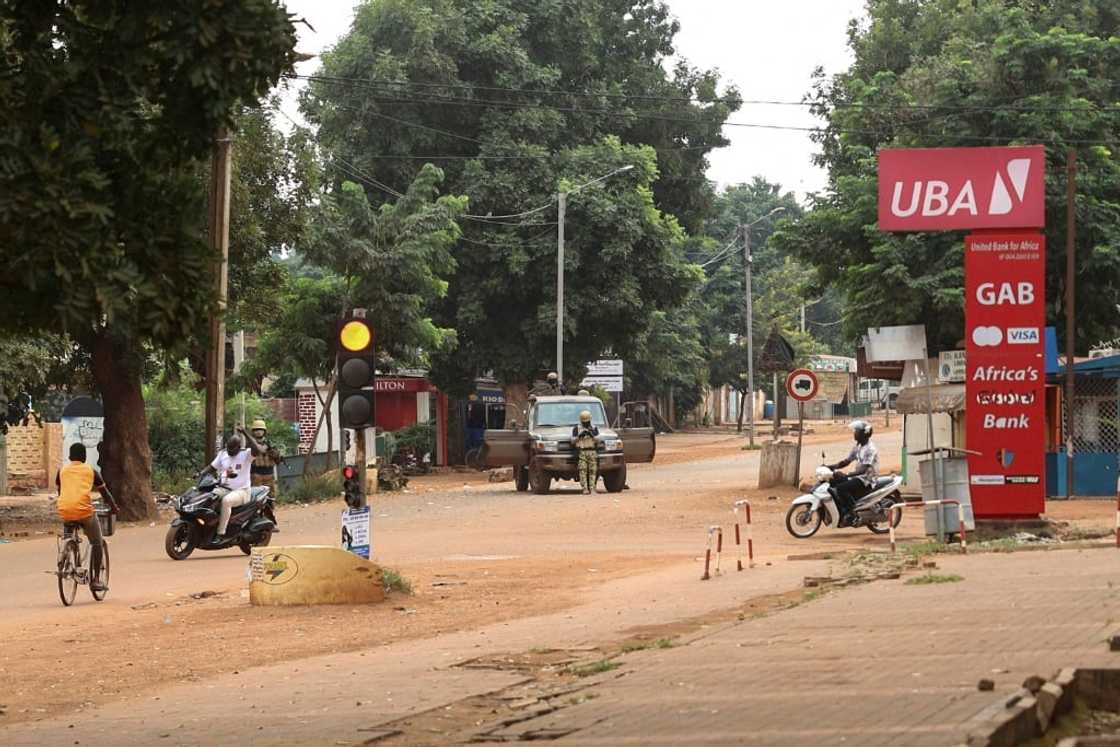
x: 567, y: 413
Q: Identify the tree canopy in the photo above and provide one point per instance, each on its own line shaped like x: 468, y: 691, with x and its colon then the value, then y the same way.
x: 943, y: 73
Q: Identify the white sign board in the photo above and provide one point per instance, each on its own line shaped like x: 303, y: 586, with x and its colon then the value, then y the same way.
x: 802, y: 385
x: 607, y: 367
x: 356, y: 534
x: 606, y: 383
x: 950, y: 367
x: 906, y: 343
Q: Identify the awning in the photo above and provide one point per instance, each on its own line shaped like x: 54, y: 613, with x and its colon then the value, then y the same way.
x: 946, y: 398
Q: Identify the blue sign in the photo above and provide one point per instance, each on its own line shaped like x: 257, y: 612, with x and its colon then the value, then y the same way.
x: 356, y: 533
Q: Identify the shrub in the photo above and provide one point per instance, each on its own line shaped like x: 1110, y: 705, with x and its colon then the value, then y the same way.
x: 312, y: 488
x: 421, y: 437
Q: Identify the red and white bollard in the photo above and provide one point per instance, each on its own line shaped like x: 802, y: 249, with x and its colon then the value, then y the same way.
x: 963, y: 530
x: 716, y: 532
x: 891, y: 522
x: 746, y: 506
x: 1118, y: 512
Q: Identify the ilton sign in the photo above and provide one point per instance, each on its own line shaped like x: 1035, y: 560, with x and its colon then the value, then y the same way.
x: 938, y: 189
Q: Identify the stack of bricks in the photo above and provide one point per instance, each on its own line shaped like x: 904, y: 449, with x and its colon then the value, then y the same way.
x: 27, y: 454
x: 306, y: 410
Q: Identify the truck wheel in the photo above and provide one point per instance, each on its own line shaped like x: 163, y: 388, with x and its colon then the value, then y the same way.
x: 539, y: 480
x: 521, y: 478
x: 615, y: 480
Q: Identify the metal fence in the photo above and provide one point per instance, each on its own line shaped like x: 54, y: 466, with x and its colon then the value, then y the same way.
x: 1096, y: 415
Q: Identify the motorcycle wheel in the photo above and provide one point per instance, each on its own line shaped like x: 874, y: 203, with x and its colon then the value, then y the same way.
x: 802, y: 521
x: 247, y: 547
x: 881, y: 527
x: 179, y: 542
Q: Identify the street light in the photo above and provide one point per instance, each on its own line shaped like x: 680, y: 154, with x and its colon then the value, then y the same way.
x: 562, y: 200
x: 748, y: 260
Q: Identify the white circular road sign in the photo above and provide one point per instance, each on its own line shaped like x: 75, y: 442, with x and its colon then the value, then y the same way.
x: 802, y: 384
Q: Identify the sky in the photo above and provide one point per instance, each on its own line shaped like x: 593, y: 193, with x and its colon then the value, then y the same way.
x: 768, y: 49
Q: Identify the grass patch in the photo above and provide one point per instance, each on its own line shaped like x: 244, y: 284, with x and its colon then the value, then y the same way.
x: 595, y: 667
x: 934, y: 578
x: 748, y: 447
x: 662, y: 643
x: 923, y: 549
x: 394, y: 581
x: 314, y: 488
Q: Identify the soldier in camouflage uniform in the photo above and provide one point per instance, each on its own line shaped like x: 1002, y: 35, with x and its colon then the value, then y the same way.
x: 585, y: 438
x: 265, y: 456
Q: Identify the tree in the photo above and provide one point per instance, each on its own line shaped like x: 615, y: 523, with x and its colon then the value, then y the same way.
x: 943, y: 73
x: 515, y: 99
x: 108, y: 108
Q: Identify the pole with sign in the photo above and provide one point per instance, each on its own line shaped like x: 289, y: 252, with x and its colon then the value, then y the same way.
x: 802, y: 385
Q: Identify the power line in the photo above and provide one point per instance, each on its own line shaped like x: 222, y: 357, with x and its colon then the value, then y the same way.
x: 383, y: 83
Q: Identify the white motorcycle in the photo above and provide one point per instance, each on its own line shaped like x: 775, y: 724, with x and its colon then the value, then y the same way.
x: 873, y: 511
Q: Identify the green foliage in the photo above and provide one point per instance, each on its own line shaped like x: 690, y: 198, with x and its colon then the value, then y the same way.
x: 934, y: 578
x: 421, y: 437
x: 596, y: 667
x: 177, y: 425
x: 984, y: 73
x: 394, y: 581
x: 313, y: 488
x: 512, y: 151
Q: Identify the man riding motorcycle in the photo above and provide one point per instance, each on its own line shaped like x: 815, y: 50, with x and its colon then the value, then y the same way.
x: 862, y: 480
x: 232, y: 467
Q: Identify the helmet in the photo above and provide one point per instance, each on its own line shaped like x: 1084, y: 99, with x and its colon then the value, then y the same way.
x: 553, y: 378
x: 258, y: 425
x: 233, y: 445
x: 585, y: 416
x: 861, y: 429
x: 583, y: 393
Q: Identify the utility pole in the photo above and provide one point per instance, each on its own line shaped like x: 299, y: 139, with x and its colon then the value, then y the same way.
x: 562, y: 202
x: 1071, y: 235
x: 747, y: 262
x: 219, y: 242
x: 802, y: 318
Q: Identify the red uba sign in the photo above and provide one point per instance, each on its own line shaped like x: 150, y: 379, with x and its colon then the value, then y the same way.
x: 938, y: 189
x: 1005, y: 360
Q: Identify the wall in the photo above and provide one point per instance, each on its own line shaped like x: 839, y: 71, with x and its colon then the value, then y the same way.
x: 34, y: 453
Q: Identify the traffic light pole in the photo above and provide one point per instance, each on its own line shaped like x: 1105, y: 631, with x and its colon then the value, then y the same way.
x: 360, y: 457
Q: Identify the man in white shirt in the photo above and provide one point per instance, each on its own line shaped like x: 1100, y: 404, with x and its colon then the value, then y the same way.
x: 862, y: 479
x: 232, y: 468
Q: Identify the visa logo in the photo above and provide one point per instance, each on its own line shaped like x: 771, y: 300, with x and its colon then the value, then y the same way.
x: 1023, y: 336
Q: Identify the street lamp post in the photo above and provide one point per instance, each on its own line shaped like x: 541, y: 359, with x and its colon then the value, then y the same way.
x: 562, y: 206
x: 748, y: 261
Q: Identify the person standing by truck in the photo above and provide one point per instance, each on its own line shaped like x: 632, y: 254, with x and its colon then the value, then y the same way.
x: 585, y: 438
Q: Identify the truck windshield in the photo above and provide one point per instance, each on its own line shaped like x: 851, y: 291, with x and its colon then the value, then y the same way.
x: 567, y: 413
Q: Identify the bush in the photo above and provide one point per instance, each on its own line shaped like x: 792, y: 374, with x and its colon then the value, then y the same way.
x: 177, y: 429
x: 421, y: 437
x: 313, y: 488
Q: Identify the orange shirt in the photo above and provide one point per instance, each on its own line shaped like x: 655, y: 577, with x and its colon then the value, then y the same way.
x: 76, y: 482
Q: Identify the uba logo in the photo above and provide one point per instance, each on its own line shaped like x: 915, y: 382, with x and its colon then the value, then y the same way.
x: 933, y: 197
x: 936, y: 189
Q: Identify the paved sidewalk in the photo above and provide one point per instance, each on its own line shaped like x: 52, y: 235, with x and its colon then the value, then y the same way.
x: 886, y: 663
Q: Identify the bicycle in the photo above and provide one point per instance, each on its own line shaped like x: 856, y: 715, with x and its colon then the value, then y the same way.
x: 73, y: 557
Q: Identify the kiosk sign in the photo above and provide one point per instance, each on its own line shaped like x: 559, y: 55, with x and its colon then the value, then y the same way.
x: 1005, y: 369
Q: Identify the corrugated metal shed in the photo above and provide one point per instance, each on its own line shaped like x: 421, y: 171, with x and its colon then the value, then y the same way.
x: 948, y: 398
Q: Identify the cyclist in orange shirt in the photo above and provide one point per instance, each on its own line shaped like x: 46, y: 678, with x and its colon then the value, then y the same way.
x: 76, y: 481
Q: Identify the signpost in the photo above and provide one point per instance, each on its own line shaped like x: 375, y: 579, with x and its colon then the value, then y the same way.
x: 1000, y: 194
x: 951, y: 367
x: 356, y: 531
x: 801, y: 385
x: 605, y: 374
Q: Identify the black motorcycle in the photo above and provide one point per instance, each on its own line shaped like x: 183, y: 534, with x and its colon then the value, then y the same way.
x: 251, y: 525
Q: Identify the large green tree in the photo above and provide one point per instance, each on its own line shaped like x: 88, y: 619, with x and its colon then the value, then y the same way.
x: 107, y: 109
x: 516, y: 99
x: 945, y: 73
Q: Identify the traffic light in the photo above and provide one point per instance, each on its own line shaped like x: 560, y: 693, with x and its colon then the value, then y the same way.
x: 345, y: 440
x: 351, y: 486
x: 356, y: 372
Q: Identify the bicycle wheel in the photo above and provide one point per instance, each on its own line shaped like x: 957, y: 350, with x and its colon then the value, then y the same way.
x: 103, y: 577
x: 67, y: 573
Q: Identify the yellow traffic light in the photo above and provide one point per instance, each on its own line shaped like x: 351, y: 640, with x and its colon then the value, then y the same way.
x: 355, y: 335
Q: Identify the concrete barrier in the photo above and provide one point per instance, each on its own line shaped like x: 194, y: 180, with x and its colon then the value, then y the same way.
x: 312, y: 574
x: 777, y: 464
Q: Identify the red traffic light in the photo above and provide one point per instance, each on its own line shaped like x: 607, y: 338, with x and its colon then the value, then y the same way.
x: 349, y: 473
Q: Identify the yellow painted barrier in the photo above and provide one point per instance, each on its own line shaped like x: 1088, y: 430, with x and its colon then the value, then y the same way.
x: 312, y: 574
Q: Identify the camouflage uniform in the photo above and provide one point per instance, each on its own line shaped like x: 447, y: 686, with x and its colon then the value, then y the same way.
x: 265, y: 459
x: 585, y: 437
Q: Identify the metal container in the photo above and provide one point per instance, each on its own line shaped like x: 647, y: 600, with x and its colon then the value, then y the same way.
x: 952, y: 478
x: 108, y: 522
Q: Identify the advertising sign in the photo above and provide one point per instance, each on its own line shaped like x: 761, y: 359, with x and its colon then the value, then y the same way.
x: 1006, y: 376
x: 612, y: 367
x: 906, y: 343
x: 356, y: 531
x: 951, y: 367
x: 606, y: 383
x: 938, y: 189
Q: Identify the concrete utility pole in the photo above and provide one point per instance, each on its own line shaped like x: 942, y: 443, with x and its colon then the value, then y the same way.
x: 562, y: 206
x: 219, y: 242
x: 1071, y: 281
x: 747, y: 262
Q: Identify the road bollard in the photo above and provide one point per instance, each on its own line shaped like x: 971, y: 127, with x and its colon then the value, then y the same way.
x: 716, y: 532
x: 750, y: 539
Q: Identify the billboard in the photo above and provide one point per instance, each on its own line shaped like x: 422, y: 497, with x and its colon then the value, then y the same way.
x: 939, y: 189
x: 1006, y: 372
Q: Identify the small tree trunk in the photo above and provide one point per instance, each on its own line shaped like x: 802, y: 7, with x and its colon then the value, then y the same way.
x: 125, y: 455
x: 742, y: 409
